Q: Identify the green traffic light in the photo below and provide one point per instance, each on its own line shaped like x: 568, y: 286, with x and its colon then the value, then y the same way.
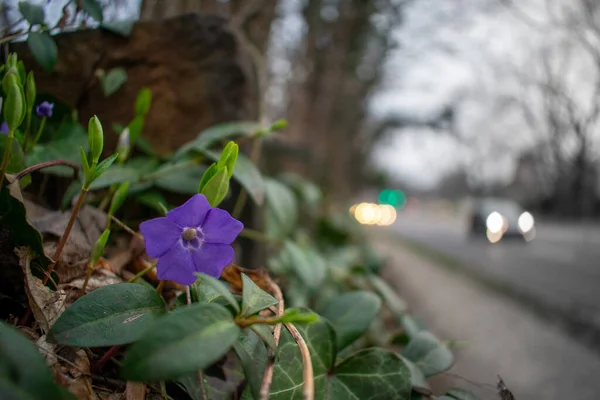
x: 394, y: 198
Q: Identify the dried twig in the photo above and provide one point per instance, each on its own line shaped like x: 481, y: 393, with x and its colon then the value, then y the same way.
x: 308, y: 392
x: 47, y: 164
x: 268, y: 376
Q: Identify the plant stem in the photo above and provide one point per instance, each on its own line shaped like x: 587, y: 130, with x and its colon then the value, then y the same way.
x: 125, y: 227
x: 308, y: 392
x: 188, y: 295
x: 107, y: 356
x: 8, y: 38
x: 160, y: 287
x: 142, y: 273
x: 38, y: 135
x: 47, y: 164
x: 6, y: 155
x: 268, y: 376
x: 65, y: 235
x: 27, y: 129
x: 88, y: 275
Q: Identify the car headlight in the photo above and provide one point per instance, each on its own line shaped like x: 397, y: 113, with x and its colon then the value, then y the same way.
x: 525, y: 222
x: 494, y: 222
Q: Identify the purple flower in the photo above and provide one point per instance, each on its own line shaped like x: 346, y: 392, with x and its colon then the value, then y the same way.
x: 4, y: 128
x: 192, y: 238
x: 44, y: 110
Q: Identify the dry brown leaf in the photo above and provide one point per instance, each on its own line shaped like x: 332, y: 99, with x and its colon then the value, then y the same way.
x: 135, y: 391
x: 233, y: 274
x: 100, y: 278
x: 46, y: 305
x: 47, y: 350
x: 75, y: 373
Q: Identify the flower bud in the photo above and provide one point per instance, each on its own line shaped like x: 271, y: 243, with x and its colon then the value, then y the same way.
x: 96, y: 139
x: 217, y: 187
x: 14, y: 106
x: 123, y: 146
x: 143, y: 102
x: 118, y: 199
x: 229, y: 157
x: 10, y: 77
x: 209, y: 173
x: 30, y: 91
x: 99, y: 246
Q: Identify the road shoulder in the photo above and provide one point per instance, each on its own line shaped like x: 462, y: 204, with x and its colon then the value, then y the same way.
x: 535, y: 358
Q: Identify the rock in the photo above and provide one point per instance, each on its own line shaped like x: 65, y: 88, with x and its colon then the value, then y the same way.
x: 198, y: 74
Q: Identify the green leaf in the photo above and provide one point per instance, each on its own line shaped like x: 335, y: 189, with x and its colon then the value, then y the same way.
x: 418, y: 380
x: 287, y: 374
x: 368, y: 374
x: 307, y: 265
x: 93, y: 9
x: 461, y: 394
x: 410, y: 325
x: 16, y: 162
x: 44, y: 49
x: 113, y: 81
x: 24, y: 371
x: 217, y: 187
x: 391, y: 299
x: 308, y: 193
x: 265, y: 332
x: 196, y: 337
x: 216, y: 286
x: 104, y: 165
x: 216, y: 133
x: 222, y: 383
x: 253, y: 355
x: 254, y: 298
x: 428, y: 353
x: 281, y: 212
x: 351, y: 315
x: 247, y: 175
x: 111, y: 315
x: 33, y: 13
x: 152, y: 199
x: 17, y: 230
x: 374, y: 374
x: 70, y: 138
x: 116, y: 174
x: 184, y: 181
x: 298, y: 316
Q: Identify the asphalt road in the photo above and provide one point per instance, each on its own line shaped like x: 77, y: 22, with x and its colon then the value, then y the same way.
x: 558, y: 272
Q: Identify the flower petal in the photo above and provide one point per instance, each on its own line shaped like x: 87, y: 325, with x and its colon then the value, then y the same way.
x: 160, y: 235
x: 211, y: 258
x: 191, y: 213
x: 220, y: 227
x: 176, y: 265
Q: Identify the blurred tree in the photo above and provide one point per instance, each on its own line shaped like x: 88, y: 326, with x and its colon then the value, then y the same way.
x: 562, y: 110
x: 337, y: 65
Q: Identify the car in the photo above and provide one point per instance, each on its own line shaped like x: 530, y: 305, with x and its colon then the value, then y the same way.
x: 499, y: 218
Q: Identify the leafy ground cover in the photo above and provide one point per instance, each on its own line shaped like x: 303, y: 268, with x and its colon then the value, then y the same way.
x: 94, y: 308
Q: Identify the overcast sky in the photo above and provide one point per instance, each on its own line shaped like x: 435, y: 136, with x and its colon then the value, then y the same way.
x: 451, y: 50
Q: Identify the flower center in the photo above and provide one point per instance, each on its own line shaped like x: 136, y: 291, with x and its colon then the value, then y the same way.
x: 192, y: 238
x: 189, y: 234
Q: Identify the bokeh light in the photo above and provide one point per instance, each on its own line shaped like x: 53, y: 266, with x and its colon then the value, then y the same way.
x: 374, y: 214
